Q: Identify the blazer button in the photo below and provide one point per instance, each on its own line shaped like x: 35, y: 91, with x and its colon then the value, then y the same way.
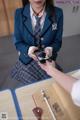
x: 43, y: 46
x: 42, y: 38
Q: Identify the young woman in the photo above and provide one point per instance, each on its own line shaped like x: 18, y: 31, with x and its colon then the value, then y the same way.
x: 28, y: 30
x: 70, y: 84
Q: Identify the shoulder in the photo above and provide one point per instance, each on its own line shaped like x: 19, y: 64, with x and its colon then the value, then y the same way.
x: 18, y: 11
x: 57, y: 11
x: 18, y: 15
x: 23, y: 11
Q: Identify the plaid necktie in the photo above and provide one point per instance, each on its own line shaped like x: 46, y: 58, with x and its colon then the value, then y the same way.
x: 37, y: 29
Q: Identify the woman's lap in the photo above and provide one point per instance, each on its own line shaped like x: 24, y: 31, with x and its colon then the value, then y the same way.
x: 28, y: 74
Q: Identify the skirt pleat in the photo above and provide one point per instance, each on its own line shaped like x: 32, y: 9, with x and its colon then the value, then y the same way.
x: 29, y: 73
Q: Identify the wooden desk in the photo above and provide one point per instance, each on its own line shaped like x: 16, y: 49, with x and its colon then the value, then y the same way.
x: 57, y: 97
x: 7, y: 107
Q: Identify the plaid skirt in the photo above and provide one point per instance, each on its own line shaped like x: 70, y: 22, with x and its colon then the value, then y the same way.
x: 28, y: 74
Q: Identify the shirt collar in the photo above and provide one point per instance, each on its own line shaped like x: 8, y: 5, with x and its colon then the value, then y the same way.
x: 33, y: 14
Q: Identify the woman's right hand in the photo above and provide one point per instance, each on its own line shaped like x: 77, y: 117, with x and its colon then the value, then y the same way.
x: 48, y: 67
x: 31, y: 52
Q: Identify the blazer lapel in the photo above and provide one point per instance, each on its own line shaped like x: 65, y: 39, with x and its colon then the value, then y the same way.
x: 27, y: 19
x: 48, y: 20
x: 46, y: 26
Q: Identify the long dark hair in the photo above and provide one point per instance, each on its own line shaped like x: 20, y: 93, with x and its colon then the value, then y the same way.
x: 48, y: 2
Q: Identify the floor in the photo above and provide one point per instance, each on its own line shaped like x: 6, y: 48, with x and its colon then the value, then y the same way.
x: 68, y: 58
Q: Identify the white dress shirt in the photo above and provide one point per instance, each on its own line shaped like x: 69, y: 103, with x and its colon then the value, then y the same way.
x: 33, y: 19
x: 76, y: 93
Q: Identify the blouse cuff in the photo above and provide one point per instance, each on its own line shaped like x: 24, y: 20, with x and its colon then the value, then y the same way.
x: 75, y: 93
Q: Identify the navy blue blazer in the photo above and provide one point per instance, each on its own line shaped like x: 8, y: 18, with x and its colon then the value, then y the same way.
x: 51, y: 34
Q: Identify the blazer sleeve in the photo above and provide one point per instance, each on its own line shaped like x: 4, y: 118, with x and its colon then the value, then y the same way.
x: 58, y: 36
x: 20, y: 44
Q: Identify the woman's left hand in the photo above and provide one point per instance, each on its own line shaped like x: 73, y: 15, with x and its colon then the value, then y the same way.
x: 48, y: 51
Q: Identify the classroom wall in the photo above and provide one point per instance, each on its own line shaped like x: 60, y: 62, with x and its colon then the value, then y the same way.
x: 71, y: 18
x: 7, y: 8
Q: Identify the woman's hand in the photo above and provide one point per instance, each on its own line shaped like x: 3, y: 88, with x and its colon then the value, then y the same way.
x: 31, y: 52
x: 48, y: 67
x: 48, y: 51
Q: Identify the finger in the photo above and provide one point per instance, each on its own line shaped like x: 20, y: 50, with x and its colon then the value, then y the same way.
x: 48, y: 53
x: 34, y: 57
x: 32, y: 50
x: 35, y: 49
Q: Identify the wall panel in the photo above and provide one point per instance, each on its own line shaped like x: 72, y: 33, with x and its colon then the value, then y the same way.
x: 7, y: 10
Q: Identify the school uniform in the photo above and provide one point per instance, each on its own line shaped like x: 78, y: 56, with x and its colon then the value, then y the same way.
x: 51, y: 36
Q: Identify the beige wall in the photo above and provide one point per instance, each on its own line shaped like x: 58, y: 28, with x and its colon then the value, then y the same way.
x: 7, y: 18
x: 71, y: 19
